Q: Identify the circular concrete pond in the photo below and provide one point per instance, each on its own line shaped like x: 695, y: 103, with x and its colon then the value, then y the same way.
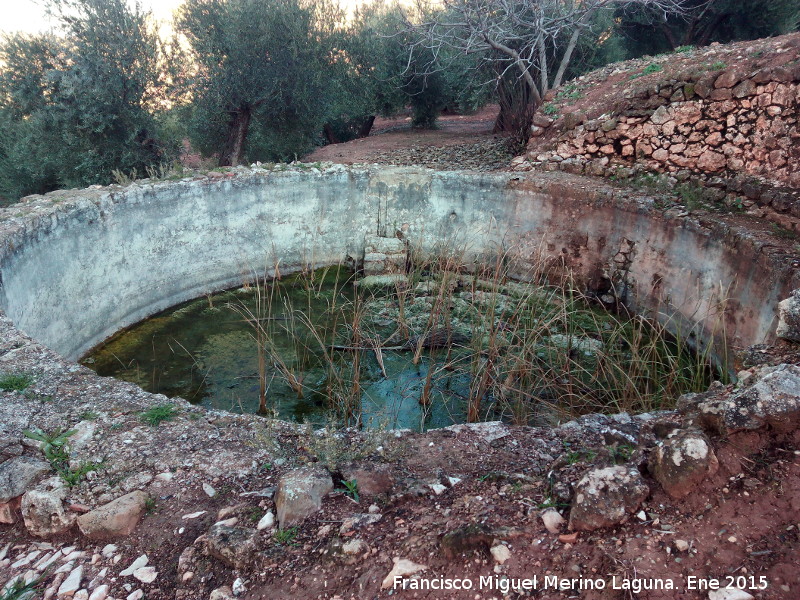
x: 78, y: 266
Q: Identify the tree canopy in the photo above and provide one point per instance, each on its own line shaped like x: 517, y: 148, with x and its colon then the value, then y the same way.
x: 532, y: 40
x: 702, y: 22
x: 260, y: 65
x: 78, y: 106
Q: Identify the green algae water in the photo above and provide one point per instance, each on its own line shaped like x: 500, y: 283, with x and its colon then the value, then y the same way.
x: 420, y: 351
x: 206, y: 351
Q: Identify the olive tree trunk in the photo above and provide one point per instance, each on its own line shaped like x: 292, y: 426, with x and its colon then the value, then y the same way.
x: 237, y: 135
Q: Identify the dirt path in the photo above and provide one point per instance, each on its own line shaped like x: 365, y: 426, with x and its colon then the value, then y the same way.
x: 460, y: 141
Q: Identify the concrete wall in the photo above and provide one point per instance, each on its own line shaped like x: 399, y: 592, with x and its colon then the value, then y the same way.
x: 77, y: 266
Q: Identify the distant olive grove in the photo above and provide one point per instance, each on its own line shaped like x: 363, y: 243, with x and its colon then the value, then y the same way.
x: 106, y: 96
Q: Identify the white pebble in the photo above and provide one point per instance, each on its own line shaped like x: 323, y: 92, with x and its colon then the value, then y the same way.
x: 146, y: 574
x: 729, y: 594
x: 101, y: 593
x: 553, y: 521
x: 238, y: 587
x: 194, y: 515
x: 437, y: 488
x: 268, y: 520
x: 72, y: 583
x: 137, y: 564
x: 500, y: 553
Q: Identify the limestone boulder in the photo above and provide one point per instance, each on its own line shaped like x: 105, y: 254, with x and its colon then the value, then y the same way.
x: 687, y: 113
x: 773, y: 400
x: 728, y: 79
x: 43, y: 509
x: 605, y: 497
x: 300, y: 494
x: 573, y: 119
x: 235, y: 546
x: 118, y: 518
x: 660, y: 116
x: 711, y: 161
x: 789, y: 318
x: 682, y: 461
x: 17, y: 475
x: 541, y: 120
x: 9, y: 510
x: 371, y: 480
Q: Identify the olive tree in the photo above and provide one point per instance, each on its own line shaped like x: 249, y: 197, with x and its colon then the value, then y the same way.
x: 380, y: 76
x: 531, y: 40
x: 80, y: 104
x: 260, y: 72
x: 370, y: 63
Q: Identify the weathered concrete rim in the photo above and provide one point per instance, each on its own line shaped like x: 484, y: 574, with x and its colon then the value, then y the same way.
x: 78, y: 265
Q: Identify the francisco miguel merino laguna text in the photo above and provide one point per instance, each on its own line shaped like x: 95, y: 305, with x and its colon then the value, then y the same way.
x: 548, y: 582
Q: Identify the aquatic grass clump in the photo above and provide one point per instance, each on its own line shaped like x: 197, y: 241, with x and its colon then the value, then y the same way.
x: 485, y: 346
x: 453, y: 338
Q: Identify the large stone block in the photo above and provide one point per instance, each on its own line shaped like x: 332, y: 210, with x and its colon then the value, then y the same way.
x: 43, y: 509
x: 682, y: 461
x: 116, y: 519
x: 235, y: 546
x: 17, y: 475
x: 772, y: 401
x: 605, y: 497
x: 300, y: 493
x: 789, y: 317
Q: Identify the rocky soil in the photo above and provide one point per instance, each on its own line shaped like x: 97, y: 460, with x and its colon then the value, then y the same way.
x: 207, y: 504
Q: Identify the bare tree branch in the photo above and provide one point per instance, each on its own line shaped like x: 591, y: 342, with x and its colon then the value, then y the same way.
x: 522, y: 34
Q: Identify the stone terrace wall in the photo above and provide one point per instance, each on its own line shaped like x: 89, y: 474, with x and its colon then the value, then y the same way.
x: 737, y: 127
x: 723, y: 122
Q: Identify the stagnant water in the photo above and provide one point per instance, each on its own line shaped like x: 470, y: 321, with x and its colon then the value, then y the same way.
x: 504, y: 350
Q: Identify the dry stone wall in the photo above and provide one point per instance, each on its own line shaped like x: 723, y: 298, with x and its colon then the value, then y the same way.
x: 736, y: 128
x: 729, y: 124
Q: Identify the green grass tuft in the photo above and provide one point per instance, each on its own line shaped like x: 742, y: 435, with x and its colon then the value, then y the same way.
x: 550, y: 109
x: 285, y: 536
x: 158, y: 414
x: 19, y: 590
x: 56, y: 451
x: 15, y: 382
x: 648, y: 70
